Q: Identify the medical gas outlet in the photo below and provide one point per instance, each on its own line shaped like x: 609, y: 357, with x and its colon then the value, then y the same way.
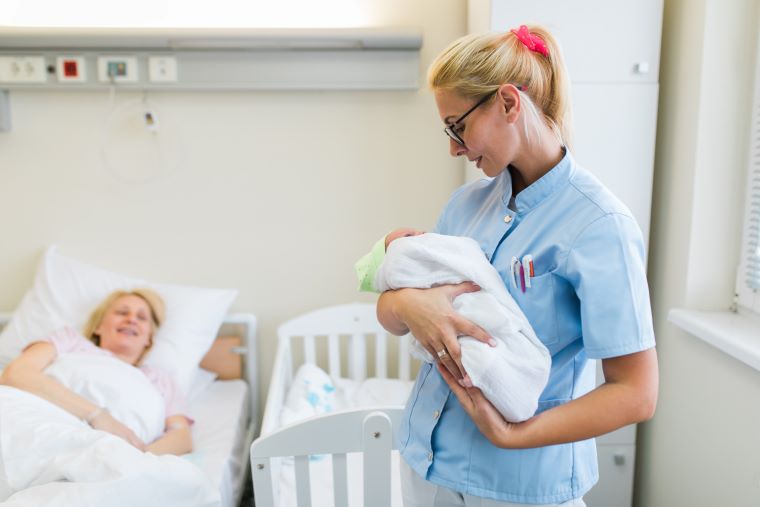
x: 117, y: 69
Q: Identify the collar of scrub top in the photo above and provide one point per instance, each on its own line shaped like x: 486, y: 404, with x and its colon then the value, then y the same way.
x: 542, y: 188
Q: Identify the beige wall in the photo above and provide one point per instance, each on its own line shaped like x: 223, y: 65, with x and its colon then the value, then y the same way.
x: 275, y: 193
x: 703, y: 446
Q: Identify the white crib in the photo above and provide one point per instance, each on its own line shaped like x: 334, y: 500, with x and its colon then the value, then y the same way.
x: 346, y: 338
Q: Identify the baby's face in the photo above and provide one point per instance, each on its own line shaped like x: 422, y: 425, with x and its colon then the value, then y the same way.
x: 401, y: 233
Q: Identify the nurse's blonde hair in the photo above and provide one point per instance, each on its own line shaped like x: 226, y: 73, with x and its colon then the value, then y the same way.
x: 475, y: 65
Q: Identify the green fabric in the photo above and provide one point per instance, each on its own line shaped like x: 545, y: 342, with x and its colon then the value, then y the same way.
x: 367, y: 266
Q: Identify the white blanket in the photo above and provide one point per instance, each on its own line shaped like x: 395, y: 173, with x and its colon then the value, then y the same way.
x: 313, y: 392
x: 511, y: 375
x: 48, y: 457
x: 101, y: 379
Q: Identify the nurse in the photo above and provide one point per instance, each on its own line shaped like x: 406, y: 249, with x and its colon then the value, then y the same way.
x: 571, y: 255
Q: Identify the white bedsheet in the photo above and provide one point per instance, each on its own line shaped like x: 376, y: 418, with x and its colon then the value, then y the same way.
x: 48, y: 457
x: 219, y: 436
x: 313, y: 392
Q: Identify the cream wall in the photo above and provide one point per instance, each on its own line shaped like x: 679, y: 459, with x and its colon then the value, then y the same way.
x: 275, y: 193
x: 703, y: 446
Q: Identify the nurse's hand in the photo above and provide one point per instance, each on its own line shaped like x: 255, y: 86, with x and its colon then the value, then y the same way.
x: 489, y: 421
x: 430, y: 316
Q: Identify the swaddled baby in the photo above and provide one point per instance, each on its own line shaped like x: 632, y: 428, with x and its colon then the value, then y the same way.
x: 512, y: 374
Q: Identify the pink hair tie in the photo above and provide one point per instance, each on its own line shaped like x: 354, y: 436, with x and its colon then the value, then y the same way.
x: 532, y: 42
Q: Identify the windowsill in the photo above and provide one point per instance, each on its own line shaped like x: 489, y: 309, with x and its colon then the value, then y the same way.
x: 736, y: 334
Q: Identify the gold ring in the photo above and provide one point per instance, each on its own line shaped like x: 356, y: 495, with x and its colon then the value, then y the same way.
x: 442, y: 353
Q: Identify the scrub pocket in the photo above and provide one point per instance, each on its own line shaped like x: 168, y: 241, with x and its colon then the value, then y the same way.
x: 538, y: 304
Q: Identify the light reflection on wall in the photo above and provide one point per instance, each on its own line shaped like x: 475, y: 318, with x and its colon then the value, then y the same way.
x: 187, y: 13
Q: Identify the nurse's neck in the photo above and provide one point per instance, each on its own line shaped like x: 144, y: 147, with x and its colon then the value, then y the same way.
x: 537, y: 159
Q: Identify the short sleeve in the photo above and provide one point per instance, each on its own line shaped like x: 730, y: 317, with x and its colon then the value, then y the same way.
x: 67, y: 340
x: 174, y: 400
x: 605, y: 265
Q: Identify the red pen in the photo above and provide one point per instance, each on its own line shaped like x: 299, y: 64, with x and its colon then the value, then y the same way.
x: 527, y: 265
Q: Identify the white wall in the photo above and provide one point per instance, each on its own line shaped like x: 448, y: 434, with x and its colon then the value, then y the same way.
x: 701, y: 448
x: 275, y: 193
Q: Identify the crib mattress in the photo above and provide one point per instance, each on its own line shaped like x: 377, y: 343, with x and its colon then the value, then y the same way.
x: 221, y: 414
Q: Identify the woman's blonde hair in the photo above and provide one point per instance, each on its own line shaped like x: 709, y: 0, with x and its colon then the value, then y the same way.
x: 154, y: 301
x: 476, y: 65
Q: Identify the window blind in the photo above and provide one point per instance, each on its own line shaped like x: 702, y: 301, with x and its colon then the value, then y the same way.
x: 748, y: 276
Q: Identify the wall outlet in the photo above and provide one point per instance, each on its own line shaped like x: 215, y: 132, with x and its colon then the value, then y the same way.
x: 119, y: 69
x: 22, y: 69
x: 162, y: 69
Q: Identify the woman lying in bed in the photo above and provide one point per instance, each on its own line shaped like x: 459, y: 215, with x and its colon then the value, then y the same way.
x: 121, y: 327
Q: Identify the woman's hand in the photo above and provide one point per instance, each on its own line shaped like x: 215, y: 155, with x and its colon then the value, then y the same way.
x: 105, y: 422
x: 177, y: 439
x: 489, y: 421
x: 430, y: 316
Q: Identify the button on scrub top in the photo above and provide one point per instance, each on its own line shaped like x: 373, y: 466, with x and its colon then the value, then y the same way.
x: 588, y: 299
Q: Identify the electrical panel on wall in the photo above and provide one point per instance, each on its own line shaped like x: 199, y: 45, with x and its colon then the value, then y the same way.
x: 211, y: 59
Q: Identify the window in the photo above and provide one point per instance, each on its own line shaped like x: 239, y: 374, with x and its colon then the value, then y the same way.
x: 748, y: 276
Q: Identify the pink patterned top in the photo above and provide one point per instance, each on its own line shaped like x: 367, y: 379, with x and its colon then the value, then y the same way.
x: 67, y: 339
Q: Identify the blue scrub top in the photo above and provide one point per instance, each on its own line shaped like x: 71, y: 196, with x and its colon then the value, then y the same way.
x: 588, y: 299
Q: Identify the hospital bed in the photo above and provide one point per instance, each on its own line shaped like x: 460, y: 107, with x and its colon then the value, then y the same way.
x: 224, y: 408
x: 342, y: 452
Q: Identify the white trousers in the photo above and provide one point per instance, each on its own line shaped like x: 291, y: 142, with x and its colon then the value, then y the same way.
x: 417, y: 492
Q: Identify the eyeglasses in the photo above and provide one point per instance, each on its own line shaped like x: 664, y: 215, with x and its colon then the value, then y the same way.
x: 450, y: 127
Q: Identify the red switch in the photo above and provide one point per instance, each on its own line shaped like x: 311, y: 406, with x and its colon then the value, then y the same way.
x: 70, y: 68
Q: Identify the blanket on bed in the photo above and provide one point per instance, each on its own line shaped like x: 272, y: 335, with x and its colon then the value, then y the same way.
x: 511, y: 375
x: 48, y: 457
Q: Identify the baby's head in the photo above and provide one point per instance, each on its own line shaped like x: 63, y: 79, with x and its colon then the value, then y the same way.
x: 402, y: 232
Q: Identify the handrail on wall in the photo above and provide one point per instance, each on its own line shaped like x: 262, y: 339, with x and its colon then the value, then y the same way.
x: 397, y: 38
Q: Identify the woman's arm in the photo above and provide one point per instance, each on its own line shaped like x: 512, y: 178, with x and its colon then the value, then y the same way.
x: 629, y: 395
x: 177, y: 439
x: 26, y: 372
x: 431, y: 318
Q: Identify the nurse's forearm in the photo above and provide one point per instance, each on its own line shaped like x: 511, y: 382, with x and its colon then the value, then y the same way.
x: 629, y: 395
x: 388, y: 313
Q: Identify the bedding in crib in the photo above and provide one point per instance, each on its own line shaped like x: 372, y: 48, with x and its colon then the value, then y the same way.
x: 313, y: 393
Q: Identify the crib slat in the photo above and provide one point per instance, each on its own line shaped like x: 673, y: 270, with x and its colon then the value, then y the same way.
x: 404, y: 370
x: 309, y: 349
x: 303, y: 482
x: 358, y: 357
x: 340, y: 480
x: 381, y: 355
x: 333, y: 346
x: 262, y: 480
x: 377, y: 441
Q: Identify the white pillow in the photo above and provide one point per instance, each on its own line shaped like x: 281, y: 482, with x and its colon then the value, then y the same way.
x: 311, y: 393
x: 66, y: 291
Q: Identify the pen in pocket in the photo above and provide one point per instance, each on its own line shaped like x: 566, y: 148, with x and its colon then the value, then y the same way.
x: 527, y: 269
